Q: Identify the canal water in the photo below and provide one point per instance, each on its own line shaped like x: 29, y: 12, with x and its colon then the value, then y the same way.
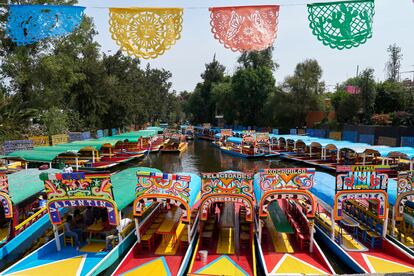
x: 201, y: 156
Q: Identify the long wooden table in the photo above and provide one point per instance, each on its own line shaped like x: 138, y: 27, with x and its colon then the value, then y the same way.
x: 169, y: 225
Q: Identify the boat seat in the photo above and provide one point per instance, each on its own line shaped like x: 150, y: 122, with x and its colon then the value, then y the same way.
x: 147, y: 241
x: 183, y: 240
x: 154, y: 226
x: 67, y: 239
x: 374, y: 239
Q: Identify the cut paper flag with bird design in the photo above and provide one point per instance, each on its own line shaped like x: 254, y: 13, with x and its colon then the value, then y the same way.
x: 245, y: 28
x: 342, y: 25
x: 28, y: 24
x: 145, y: 32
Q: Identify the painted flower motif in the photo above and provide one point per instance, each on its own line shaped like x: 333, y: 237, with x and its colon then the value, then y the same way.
x: 145, y: 32
x: 245, y: 28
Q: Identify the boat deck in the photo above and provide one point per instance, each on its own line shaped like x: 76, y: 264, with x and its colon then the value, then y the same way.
x: 218, y: 239
x: 166, y: 254
x: 68, y: 261
x: 283, y: 255
x: 386, y: 260
x: 349, y: 243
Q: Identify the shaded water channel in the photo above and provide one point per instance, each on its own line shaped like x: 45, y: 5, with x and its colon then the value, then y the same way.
x: 201, y: 156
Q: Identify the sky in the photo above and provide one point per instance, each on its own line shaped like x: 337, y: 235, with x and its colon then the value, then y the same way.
x: 393, y: 23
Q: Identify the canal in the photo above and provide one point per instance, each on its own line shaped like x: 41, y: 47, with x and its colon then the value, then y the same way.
x: 201, y: 156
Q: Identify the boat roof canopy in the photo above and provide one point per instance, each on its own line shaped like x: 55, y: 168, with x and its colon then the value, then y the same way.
x: 359, y: 148
x: 35, y: 155
x: 26, y: 183
x: 124, y: 183
x: 324, y: 188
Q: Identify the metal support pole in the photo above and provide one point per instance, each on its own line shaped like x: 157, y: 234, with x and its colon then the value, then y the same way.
x: 137, y: 230
x: 385, y: 225
x: 260, y: 231
x: 56, y: 232
x: 77, y: 163
x: 189, y: 233
x: 311, y: 230
x: 393, y: 222
x: 333, y: 225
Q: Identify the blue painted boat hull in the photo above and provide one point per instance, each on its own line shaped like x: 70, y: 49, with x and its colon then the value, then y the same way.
x: 17, y: 246
x: 246, y: 156
x: 339, y: 253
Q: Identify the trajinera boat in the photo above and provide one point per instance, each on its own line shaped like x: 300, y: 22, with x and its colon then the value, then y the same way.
x: 225, y: 243
x: 188, y: 132
x: 401, y: 198
x: 105, y: 198
x: 284, y: 220
x: 206, y: 132
x: 166, y: 237
x: 251, y: 145
x: 352, y: 217
x: 174, y: 143
x: 24, y: 224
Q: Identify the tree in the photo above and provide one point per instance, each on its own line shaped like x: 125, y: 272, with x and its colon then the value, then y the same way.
x: 346, y: 105
x: 258, y: 59
x: 393, y: 65
x: 203, y: 107
x: 251, y: 88
x: 306, y: 88
x: 367, y: 95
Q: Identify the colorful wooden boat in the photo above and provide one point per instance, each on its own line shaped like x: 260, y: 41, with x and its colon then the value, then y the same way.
x: 188, y: 132
x: 174, y: 143
x: 220, y: 138
x: 142, y: 145
x: 166, y: 237
x: 78, y: 190
x: 251, y: 145
x: 352, y: 217
x: 225, y: 243
x: 401, y: 198
x: 106, y: 162
x: 24, y: 222
x: 286, y: 245
x: 206, y: 132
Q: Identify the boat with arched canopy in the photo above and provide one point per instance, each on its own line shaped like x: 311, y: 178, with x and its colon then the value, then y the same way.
x: 401, y: 197
x: 286, y: 210
x: 166, y: 237
x: 108, y: 196
x: 352, y: 218
x: 23, y: 219
x: 251, y: 145
x: 174, y: 143
x: 226, y: 227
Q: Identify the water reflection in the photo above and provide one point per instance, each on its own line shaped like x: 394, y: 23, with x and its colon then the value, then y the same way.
x: 201, y: 156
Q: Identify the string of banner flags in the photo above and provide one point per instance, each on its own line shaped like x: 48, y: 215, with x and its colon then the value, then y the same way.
x: 149, y: 32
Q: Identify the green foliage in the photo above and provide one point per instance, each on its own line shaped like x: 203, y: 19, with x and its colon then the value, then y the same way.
x: 306, y: 89
x: 75, y: 88
x: 55, y: 121
x: 14, y: 118
x: 201, y: 105
x: 367, y: 95
x: 251, y: 88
